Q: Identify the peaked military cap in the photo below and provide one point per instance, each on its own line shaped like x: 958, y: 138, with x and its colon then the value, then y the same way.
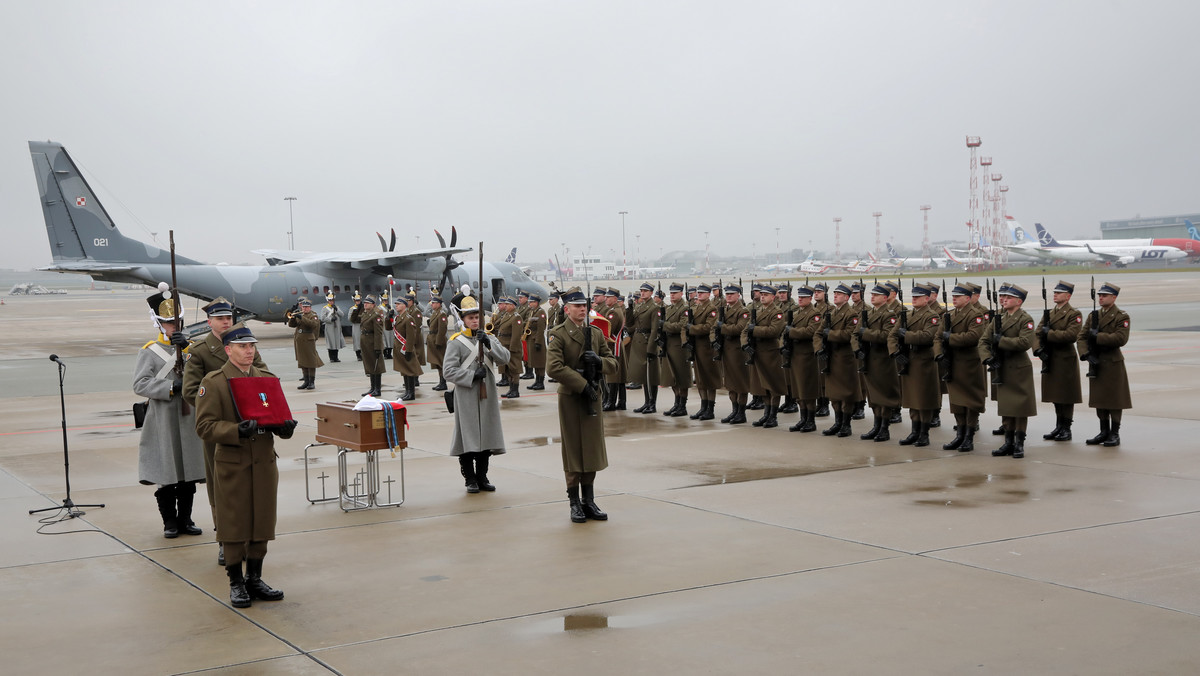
x: 304, y: 301
x: 842, y: 288
x: 1109, y: 289
x: 371, y: 299
x: 240, y: 334
x: 574, y: 296
x: 892, y: 286
x: 732, y: 288
x: 880, y: 289
x: 767, y: 288
x: 676, y: 287
x: 975, y: 288
x: 1014, y: 290
x: 934, y: 287
x: 1064, y: 287
x: 219, y: 307
x: 821, y: 286
x: 920, y: 290
x: 703, y: 288
x: 856, y: 287
x: 963, y: 289
x: 435, y: 299
x: 804, y: 292
x: 401, y: 300
x: 646, y: 286
x: 784, y: 287
x: 522, y: 293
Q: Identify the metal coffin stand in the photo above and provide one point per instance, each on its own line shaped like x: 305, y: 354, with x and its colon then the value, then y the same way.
x: 367, y: 432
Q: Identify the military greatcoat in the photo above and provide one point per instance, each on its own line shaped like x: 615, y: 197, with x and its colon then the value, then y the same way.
x: 675, y: 322
x: 1015, y: 397
x: 370, y: 323
x: 246, y: 477
x: 1056, y: 346
x: 169, y: 450
x: 535, y: 325
x: 968, y: 384
x: 304, y: 339
x: 841, y: 383
x: 403, y: 331
x: 476, y: 421
x: 736, y: 374
x: 583, y: 448
x: 616, y: 325
x: 435, y: 347
x: 920, y: 389
x: 708, y: 372
x: 806, y: 321
x: 1110, y: 388
x: 767, y: 362
x: 883, y: 382
x: 643, y: 367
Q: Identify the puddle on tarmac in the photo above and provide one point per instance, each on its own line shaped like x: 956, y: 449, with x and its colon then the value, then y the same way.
x: 530, y: 442
x: 998, y: 493
x: 723, y: 474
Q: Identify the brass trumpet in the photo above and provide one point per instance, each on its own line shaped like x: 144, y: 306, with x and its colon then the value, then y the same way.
x: 528, y: 332
x: 490, y: 326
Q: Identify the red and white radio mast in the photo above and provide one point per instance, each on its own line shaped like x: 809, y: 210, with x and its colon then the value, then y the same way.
x: 878, y: 251
x: 973, y: 144
x: 837, y: 239
x: 925, y: 250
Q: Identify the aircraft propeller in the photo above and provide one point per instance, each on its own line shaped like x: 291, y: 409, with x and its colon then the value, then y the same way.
x: 450, y: 262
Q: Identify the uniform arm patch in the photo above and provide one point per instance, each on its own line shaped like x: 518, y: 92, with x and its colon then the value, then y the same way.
x: 933, y: 320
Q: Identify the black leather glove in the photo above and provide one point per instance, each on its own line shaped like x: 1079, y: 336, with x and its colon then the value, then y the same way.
x: 589, y: 391
x: 747, y: 348
x: 592, y: 359
x: 825, y: 332
x: 901, y: 332
x: 479, y: 374
x: 485, y: 341
x: 939, y: 357
x: 408, y: 356
x: 176, y: 386
x: 989, y: 362
x: 285, y: 430
x: 537, y: 347
x: 247, y: 428
x: 1084, y: 356
x: 1044, y: 330
x: 945, y: 336
x: 1093, y: 332
x: 651, y: 356
x: 179, y: 340
x: 902, y: 361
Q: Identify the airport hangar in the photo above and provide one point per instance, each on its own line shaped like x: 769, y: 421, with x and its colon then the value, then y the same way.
x: 1155, y: 227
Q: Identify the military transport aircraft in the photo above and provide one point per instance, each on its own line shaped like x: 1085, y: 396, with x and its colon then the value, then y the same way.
x: 84, y: 240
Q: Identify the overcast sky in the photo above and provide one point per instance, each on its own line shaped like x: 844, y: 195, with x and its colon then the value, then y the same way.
x: 532, y: 124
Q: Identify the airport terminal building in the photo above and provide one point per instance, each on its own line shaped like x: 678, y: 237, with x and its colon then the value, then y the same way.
x: 1153, y: 227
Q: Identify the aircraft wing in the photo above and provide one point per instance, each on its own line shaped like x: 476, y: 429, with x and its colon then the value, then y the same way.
x: 1106, y: 257
x: 87, y: 267
x: 358, y: 259
x: 1033, y: 252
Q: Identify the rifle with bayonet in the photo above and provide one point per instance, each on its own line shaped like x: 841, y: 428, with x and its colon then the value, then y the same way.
x: 944, y: 360
x: 591, y: 362
x: 718, y: 337
x: 995, y: 363
x: 863, y: 354
x: 685, y: 337
x: 823, y: 353
x: 789, y: 344
x: 1043, y: 349
x: 1091, y: 356
x: 661, y: 339
x: 751, y: 345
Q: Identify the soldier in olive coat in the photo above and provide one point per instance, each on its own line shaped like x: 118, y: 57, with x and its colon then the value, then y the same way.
x: 439, y: 329
x: 582, y: 427
x: 614, y: 312
x: 708, y: 370
x: 806, y: 322
x: 675, y: 325
x: 766, y: 331
x: 509, y: 327
x: 920, y: 387
x: 732, y: 317
x: 370, y: 319
x: 1100, y: 342
x: 304, y: 339
x: 1056, y: 336
x: 1007, y: 351
x: 643, y: 348
x: 535, y: 329
x: 404, y: 327
x: 838, y: 341
x: 883, y: 383
x: 968, y: 381
x: 247, y: 477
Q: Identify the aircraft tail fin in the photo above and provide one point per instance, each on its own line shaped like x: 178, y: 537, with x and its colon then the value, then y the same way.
x: 892, y: 250
x: 77, y: 225
x: 1045, y: 237
x: 512, y: 256
x: 1192, y: 233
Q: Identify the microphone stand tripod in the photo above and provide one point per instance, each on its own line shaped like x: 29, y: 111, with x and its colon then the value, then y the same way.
x: 73, y: 510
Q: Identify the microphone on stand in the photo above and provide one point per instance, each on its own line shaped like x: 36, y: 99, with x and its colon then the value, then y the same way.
x: 54, y: 358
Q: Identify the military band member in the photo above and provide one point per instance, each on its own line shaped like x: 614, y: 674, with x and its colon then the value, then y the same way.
x: 333, y: 318
x: 1100, y: 343
x: 806, y: 322
x: 582, y: 428
x: 675, y: 324
x: 439, y: 329
x: 968, y: 381
x: 304, y: 341
x: 170, y: 455
x: 206, y: 355
x: 838, y: 340
x: 478, y: 433
x: 708, y: 371
x: 1015, y: 399
x: 247, y: 476
x: 767, y: 361
x: 535, y: 342
x: 1055, y: 346
x: 509, y: 329
x: 614, y: 312
x: 883, y: 383
x: 643, y: 349
x: 522, y: 309
x: 370, y: 320
x: 920, y: 389
x: 355, y: 329
x: 403, y: 329
x: 731, y: 322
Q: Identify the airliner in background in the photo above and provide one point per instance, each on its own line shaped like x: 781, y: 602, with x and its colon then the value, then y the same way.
x: 1115, y: 252
x: 911, y: 262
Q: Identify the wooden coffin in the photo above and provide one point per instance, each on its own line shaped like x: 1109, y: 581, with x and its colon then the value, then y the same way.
x: 339, y: 424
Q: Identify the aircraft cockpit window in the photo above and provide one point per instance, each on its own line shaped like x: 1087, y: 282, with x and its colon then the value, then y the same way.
x: 326, y: 289
x: 337, y: 288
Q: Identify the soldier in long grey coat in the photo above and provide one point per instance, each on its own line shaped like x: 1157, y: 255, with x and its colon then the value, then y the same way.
x: 333, y: 318
x: 478, y: 433
x: 579, y: 417
x: 1101, y: 341
x: 247, y: 476
x: 169, y: 452
x: 1008, y: 349
x: 1056, y: 336
x: 355, y: 329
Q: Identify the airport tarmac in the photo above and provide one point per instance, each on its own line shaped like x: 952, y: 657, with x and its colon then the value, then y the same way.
x: 728, y: 549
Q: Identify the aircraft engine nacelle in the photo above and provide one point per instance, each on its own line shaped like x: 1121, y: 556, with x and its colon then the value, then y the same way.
x: 1123, y: 261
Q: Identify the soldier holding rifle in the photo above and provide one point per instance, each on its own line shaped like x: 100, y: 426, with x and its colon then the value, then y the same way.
x: 883, y: 383
x: 1100, y: 343
x: 675, y: 324
x: 708, y: 370
x: 838, y: 338
x: 577, y: 359
x: 1056, y: 336
x: 806, y: 321
x: 968, y: 383
x: 762, y: 336
x: 643, y: 352
x: 1006, y: 349
x: 916, y: 340
x: 727, y: 331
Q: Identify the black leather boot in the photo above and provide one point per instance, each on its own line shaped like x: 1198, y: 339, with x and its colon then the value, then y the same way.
x: 912, y: 436
x: 441, y: 386
x: 860, y: 410
x: 706, y: 410
x: 409, y: 394
x: 937, y: 420
x: 1018, y: 445
x: 539, y: 383
x: 799, y: 426
x: 645, y: 399
x: 960, y: 435
x: 732, y: 414
x: 837, y: 423
x: 999, y: 431
x: 577, y: 515
x: 755, y: 404
x: 700, y: 412
x: 1064, y: 433
x: 303, y: 383
x: 810, y: 421
x: 822, y: 408
x: 358, y: 355
x: 1007, y: 448
x: 878, y: 422
x: 844, y: 430
x: 238, y: 596
x: 166, y: 509
x: 371, y: 388
x: 528, y: 374
x: 514, y: 390
x: 1058, y: 421
x: 620, y: 397
x: 467, y: 468
x: 739, y: 415
x: 651, y: 405
x: 772, y: 417
x: 588, y: 504
x: 671, y: 412
x: 221, y: 554
x: 682, y: 407
x: 482, y: 460
x: 883, y: 434
x: 255, y: 587
x: 766, y: 414
x: 895, y: 418
x: 503, y: 379
x: 312, y: 380
x: 610, y: 400
x: 1114, y: 436
x: 1103, y: 436
x: 968, y: 443
x: 789, y: 406
x: 923, y: 437
x: 185, y: 495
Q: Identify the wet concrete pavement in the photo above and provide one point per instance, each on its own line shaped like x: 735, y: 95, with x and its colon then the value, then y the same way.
x: 728, y: 550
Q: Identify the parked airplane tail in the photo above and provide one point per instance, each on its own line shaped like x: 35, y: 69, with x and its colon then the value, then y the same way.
x: 1192, y: 233
x: 891, y: 250
x: 512, y: 256
x: 79, y: 229
x: 1044, y: 236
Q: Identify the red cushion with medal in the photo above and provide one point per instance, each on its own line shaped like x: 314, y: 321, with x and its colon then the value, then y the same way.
x: 261, y: 400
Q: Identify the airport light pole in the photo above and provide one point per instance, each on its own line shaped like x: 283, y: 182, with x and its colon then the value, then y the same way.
x: 776, y: 246
x: 624, y: 265
x: 291, y: 227
x: 707, y: 269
